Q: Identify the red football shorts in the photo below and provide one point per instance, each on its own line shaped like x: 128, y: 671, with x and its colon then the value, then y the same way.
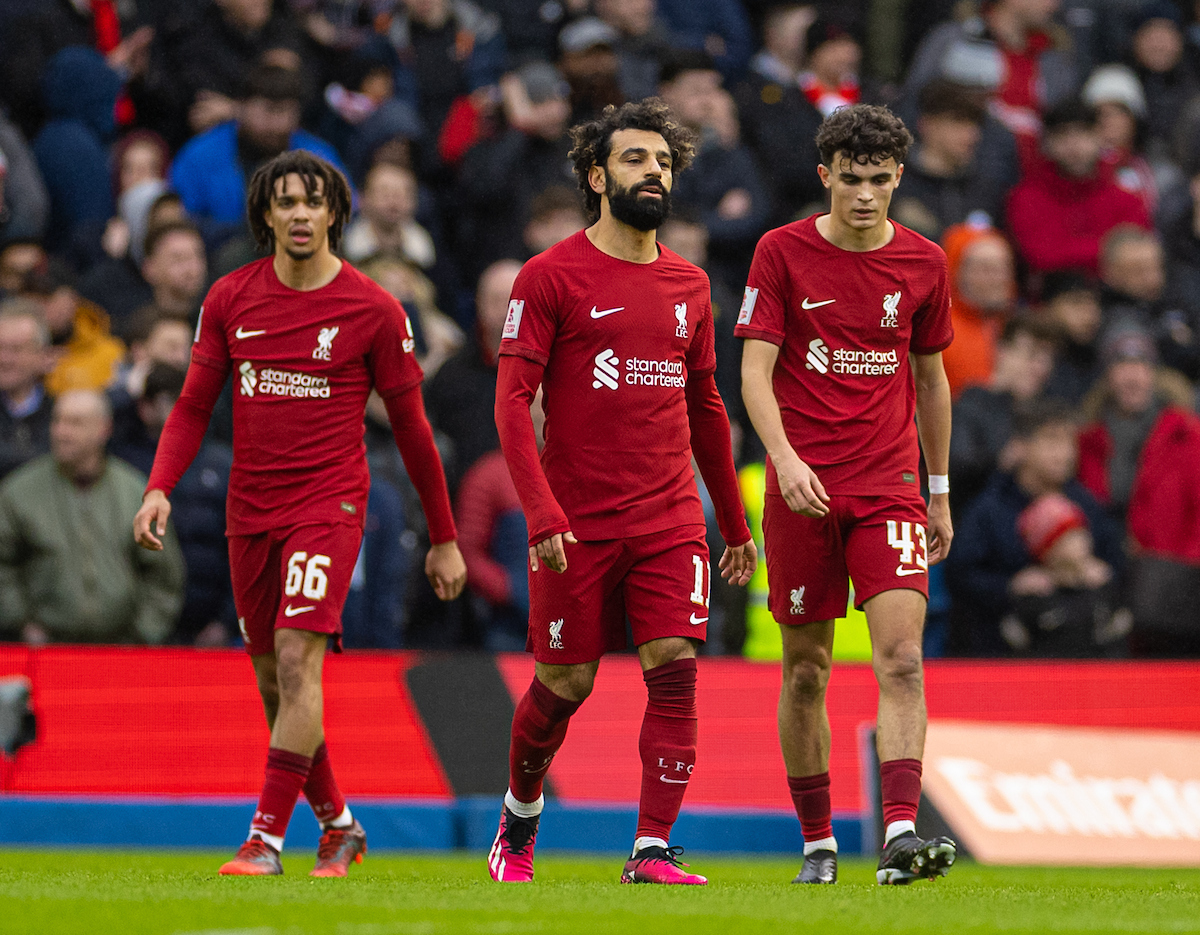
x: 661, y: 580
x: 297, y: 577
x: 878, y: 541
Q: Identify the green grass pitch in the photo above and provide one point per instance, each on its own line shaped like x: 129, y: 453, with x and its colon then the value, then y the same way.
x: 48, y: 892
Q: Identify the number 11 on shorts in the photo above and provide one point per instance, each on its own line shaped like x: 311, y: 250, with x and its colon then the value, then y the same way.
x: 703, y: 582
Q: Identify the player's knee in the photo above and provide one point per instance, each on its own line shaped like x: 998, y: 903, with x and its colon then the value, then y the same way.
x: 805, y: 681
x: 572, y: 683
x: 901, y: 664
x: 293, y: 675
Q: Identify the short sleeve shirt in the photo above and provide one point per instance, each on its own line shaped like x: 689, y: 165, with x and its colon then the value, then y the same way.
x: 303, y: 365
x: 845, y: 324
x: 618, y: 341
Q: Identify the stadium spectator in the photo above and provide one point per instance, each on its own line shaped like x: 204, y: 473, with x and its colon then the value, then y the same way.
x: 84, y: 353
x: 154, y: 340
x: 18, y: 258
x: 207, y: 617
x: 991, y: 567
x: 983, y: 289
x: 462, y: 394
x: 436, y: 335
x: 448, y: 49
x: 1158, y: 60
x: 1068, y: 605
x: 642, y: 40
x: 719, y: 27
x: 1071, y: 305
x: 951, y: 174
x: 210, y: 172
x: 1013, y: 50
x: 1133, y: 271
x: 723, y: 183
x: 24, y: 201
x: 555, y: 213
x: 531, y: 27
x: 778, y: 122
x: 25, y: 413
x: 1060, y: 211
x: 500, y: 177
x: 832, y: 56
x: 70, y: 509
x: 212, y: 60
x: 72, y: 147
x: 1182, y: 240
x: 983, y: 413
x: 1140, y: 456
x: 588, y: 60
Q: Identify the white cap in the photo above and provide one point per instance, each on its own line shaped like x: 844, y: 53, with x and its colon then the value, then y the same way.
x: 1115, y: 84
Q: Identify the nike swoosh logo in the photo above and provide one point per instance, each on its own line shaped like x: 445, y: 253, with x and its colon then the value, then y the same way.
x: 678, y: 782
x: 291, y: 611
x: 607, y: 311
x: 696, y: 621
x: 905, y: 572
x: 808, y: 304
x: 243, y: 333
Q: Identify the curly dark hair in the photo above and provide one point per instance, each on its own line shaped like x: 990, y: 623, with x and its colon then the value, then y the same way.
x: 593, y: 140
x: 865, y: 133
x: 310, y: 168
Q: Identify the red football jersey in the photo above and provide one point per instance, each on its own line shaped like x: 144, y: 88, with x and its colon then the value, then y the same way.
x: 618, y: 340
x: 303, y: 365
x: 845, y: 324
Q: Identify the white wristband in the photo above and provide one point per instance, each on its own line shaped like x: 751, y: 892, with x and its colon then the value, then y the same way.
x: 939, y: 483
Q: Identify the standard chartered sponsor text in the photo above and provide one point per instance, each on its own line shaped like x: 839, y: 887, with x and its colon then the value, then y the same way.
x: 290, y: 383
x: 865, y: 363
x: 642, y: 372
x: 1060, y: 802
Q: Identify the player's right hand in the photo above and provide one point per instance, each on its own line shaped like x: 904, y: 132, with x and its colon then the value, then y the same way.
x: 801, y: 488
x: 551, y: 552
x: 150, y: 523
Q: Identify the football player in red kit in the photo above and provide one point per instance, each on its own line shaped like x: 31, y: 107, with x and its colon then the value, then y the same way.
x: 845, y: 317
x: 307, y: 337
x: 618, y: 331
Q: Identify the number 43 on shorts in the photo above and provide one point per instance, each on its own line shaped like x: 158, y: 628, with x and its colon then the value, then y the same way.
x: 913, y: 560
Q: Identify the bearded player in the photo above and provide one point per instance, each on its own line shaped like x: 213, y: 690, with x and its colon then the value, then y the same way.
x: 845, y: 317
x: 618, y: 331
x: 307, y: 338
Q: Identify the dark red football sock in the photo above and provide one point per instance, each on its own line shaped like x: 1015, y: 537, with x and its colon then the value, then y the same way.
x: 286, y: 773
x: 667, y: 745
x: 538, y: 730
x: 810, y: 795
x: 321, y: 788
x: 900, y: 783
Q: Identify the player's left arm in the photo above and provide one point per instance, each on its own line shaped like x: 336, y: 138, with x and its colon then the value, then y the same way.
x: 713, y: 451
x: 933, y: 426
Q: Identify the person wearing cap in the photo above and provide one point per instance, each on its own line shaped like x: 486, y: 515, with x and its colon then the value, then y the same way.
x: 991, y: 568
x: 778, y: 122
x: 1070, y: 304
x: 1069, y: 605
x: 500, y: 177
x: 1140, y: 457
x: 1060, y: 211
x: 1014, y: 51
x: 1116, y: 94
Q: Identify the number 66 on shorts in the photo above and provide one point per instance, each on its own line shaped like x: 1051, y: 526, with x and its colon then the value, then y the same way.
x: 297, y: 577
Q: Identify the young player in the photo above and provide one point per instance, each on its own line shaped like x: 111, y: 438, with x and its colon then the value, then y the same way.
x: 845, y: 317
x: 307, y: 337
x: 618, y: 331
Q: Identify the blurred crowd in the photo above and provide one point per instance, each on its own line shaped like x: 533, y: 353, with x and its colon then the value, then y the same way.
x: 1057, y: 161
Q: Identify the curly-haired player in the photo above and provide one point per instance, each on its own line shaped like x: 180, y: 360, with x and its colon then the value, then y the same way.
x: 836, y: 307
x: 307, y: 337
x: 618, y: 331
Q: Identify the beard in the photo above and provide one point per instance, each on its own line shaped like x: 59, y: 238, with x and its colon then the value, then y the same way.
x: 644, y: 214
